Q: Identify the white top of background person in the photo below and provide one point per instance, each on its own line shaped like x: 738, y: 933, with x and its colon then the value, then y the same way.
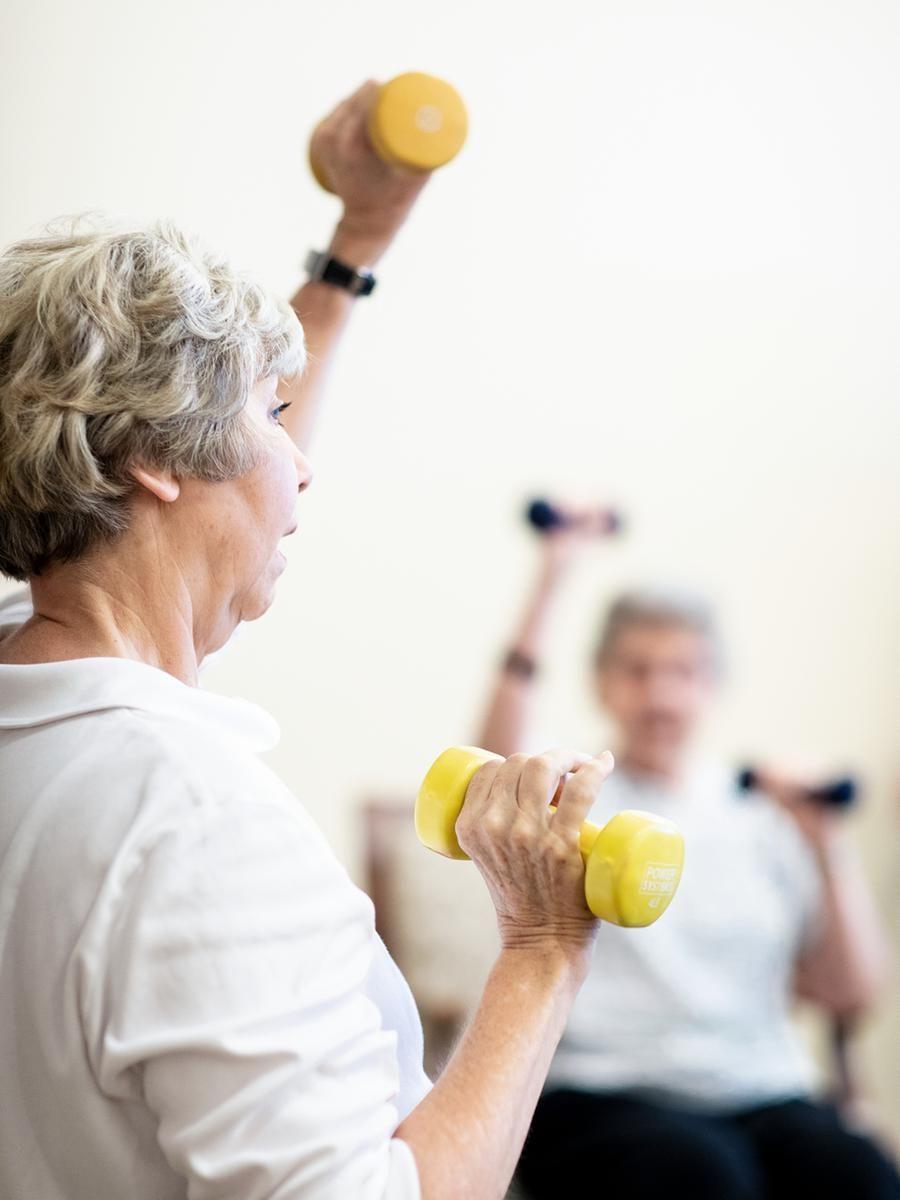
x: 696, y: 1009
x: 193, y: 1000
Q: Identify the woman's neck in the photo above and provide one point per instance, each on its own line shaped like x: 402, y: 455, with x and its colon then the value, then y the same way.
x: 95, y: 609
x: 668, y: 773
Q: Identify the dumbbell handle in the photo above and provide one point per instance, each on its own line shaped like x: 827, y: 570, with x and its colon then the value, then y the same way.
x: 587, y: 836
x: 837, y: 793
x: 544, y: 517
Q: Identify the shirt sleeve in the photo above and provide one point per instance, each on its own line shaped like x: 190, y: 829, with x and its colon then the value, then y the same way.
x: 235, y: 992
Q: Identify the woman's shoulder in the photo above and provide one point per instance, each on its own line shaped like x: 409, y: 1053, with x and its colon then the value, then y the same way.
x: 190, y: 773
x: 127, y: 771
x: 195, y: 825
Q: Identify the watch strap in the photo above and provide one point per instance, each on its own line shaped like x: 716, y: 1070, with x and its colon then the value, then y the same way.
x: 325, y: 268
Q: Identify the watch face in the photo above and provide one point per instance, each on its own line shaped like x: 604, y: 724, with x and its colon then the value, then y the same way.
x: 314, y: 261
x: 364, y: 283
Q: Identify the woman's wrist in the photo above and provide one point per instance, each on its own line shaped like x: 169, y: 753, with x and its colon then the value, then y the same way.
x: 519, y: 664
x: 521, y: 659
x: 561, y: 957
x: 359, y: 243
x: 831, y: 848
x: 551, y: 573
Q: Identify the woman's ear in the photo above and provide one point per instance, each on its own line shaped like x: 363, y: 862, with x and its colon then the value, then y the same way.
x: 161, y: 484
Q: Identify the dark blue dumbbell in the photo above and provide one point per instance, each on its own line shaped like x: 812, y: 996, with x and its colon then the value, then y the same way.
x: 838, y: 793
x: 544, y: 517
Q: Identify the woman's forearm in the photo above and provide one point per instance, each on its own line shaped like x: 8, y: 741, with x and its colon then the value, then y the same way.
x: 468, y: 1133
x: 846, y: 969
x: 324, y: 312
x: 504, y: 729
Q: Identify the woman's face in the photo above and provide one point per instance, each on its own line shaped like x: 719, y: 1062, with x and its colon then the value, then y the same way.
x: 657, y: 686
x: 238, y: 524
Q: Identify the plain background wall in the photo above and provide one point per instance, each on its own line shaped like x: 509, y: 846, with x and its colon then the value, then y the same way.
x: 665, y: 271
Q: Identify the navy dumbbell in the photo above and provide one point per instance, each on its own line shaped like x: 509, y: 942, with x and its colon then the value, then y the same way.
x: 837, y: 793
x: 544, y: 517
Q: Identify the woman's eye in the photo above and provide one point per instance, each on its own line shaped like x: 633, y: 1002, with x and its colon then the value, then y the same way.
x: 276, y: 413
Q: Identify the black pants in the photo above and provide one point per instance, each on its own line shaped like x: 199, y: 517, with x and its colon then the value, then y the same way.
x: 639, y: 1151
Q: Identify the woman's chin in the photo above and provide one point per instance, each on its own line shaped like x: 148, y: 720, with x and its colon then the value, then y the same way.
x: 260, y: 599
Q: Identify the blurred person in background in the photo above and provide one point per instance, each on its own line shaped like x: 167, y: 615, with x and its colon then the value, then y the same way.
x: 679, y: 1072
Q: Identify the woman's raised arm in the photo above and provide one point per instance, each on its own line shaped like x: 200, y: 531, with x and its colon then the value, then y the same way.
x: 505, y: 726
x: 376, y: 200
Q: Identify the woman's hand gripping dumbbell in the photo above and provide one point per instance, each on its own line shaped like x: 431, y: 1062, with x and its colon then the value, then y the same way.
x: 414, y: 121
x: 525, y: 816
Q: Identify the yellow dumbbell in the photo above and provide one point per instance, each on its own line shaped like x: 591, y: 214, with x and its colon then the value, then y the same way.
x: 632, y: 866
x: 417, y: 121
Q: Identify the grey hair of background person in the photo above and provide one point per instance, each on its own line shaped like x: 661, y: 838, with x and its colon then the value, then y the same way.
x: 665, y: 607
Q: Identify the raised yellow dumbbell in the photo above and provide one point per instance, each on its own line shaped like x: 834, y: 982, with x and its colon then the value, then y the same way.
x: 632, y: 865
x: 417, y: 121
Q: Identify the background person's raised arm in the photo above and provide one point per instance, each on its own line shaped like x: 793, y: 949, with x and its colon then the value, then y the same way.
x: 846, y: 966
x: 507, y: 720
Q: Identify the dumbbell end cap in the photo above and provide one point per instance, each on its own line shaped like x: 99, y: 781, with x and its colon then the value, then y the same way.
x: 634, y: 869
x: 541, y: 515
x: 840, y: 794
x: 442, y: 795
x: 418, y: 121
x: 746, y: 779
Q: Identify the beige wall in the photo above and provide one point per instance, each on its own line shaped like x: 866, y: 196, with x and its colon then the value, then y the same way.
x: 666, y: 270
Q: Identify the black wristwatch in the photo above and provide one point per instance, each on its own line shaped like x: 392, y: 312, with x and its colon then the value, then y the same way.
x: 323, y: 268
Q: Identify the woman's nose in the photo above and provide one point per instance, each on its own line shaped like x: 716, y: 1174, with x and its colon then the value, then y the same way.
x: 304, y: 471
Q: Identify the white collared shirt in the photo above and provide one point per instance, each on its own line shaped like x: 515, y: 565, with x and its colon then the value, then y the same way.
x: 193, y: 999
x: 695, y: 1010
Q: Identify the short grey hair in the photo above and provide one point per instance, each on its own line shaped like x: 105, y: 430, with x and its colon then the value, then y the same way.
x: 116, y: 348
x: 659, y: 606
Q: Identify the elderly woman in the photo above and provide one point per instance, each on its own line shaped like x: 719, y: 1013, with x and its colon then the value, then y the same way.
x: 193, y: 999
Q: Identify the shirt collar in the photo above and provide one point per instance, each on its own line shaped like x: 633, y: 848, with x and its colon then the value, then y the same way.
x: 40, y: 693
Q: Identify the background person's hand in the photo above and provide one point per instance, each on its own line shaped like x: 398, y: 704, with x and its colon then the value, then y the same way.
x: 376, y: 196
x: 789, y: 789
x: 527, y: 853
x: 562, y: 545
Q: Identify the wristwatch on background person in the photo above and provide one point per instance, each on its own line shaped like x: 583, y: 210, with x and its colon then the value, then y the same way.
x: 324, y: 268
x: 519, y: 664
